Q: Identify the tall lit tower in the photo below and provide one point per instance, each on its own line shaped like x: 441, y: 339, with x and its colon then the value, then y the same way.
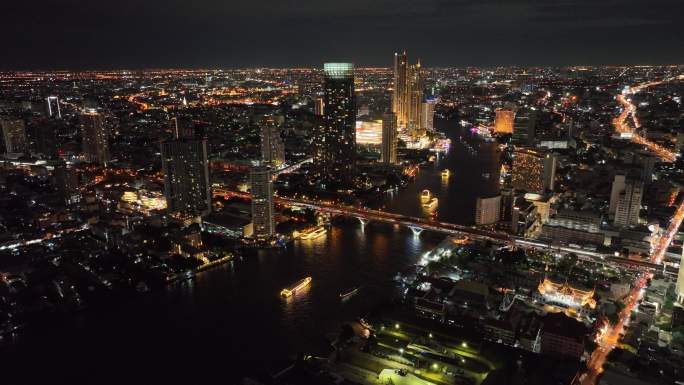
x: 95, y: 137
x: 186, y: 176
x: 272, y: 148
x: 262, y: 201
x: 335, y: 142
x: 389, y: 138
x: 14, y: 133
x: 533, y: 170
x: 399, y: 96
x: 629, y: 203
x: 53, y: 107
x: 415, y: 100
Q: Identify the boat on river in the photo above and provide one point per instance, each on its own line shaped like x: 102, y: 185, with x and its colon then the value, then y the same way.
x: 296, y: 287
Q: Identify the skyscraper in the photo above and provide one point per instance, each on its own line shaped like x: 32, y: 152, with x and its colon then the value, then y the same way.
x: 53, y: 109
x: 427, y: 120
x: 14, y: 134
x: 95, y: 138
x: 503, y: 123
x: 399, y: 96
x: 617, y: 188
x: 318, y: 106
x: 186, y: 176
x: 629, y: 204
x: 533, y: 170
x: 335, y: 142
x: 524, y: 127
x: 262, y: 201
x: 415, y: 101
x: 389, y: 138
x: 272, y: 148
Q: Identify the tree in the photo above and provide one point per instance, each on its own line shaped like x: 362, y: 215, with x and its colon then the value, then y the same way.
x: 567, y: 263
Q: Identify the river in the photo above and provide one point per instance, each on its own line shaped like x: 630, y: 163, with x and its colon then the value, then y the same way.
x: 230, y: 321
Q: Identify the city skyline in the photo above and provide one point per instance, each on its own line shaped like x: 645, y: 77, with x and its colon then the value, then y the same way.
x: 212, y: 34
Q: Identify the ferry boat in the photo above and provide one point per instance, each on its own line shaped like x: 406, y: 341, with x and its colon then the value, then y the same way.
x: 348, y: 293
x: 486, y: 175
x: 446, y: 173
x: 425, y: 196
x: 431, y: 203
x: 297, y: 286
x: 313, y: 232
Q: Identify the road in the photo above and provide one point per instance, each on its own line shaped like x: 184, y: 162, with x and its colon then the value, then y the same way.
x: 610, y: 336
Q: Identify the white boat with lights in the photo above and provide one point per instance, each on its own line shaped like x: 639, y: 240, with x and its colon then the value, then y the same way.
x: 425, y: 196
x: 348, y: 293
x: 296, y: 287
x: 313, y: 233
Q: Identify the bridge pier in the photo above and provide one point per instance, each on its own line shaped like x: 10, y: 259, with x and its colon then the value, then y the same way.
x: 416, y: 230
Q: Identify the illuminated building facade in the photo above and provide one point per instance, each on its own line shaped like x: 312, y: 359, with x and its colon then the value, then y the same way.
x: 262, y: 201
x: 335, y: 151
x: 186, y: 176
x: 14, y: 134
x: 389, y: 138
x: 318, y: 106
x: 399, y: 96
x: 564, y: 295
x: 503, y: 122
x: 533, y: 170
x: 95, y: 137
x: 414, y: 113
x: 369, y: 132
x: 628, y: 203
x: 679, y: 289
x: 487, y: 210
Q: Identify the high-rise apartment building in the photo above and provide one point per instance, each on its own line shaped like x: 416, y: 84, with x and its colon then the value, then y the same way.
x: 389, y: 138
x: 616, y: 189
x: 186, y: 176
x: 533, y: 170
x: 414, y: 113
x: 503, y: 122
x: 335, y: 141
x: 488, y: 210
x: 629, y: 204
x: 318, y: 106
x: 14, y: 134
x: 272, y: 147
x: 399, y: 96
x: 262, y: 201
x: 95, y: 137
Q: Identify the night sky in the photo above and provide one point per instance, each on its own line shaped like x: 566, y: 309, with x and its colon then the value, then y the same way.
x: 106, y: 34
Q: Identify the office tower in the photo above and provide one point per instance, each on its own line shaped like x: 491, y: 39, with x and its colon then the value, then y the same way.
x: 318, y: 106
x: 262, y: 201
x: 629, y: 204
x: 617, y: 188
x: 335, y: 142
x: 427, y: 121
x: 524, y: 127
x: 95, y: 137
x: 272, y: 147
x: 53, y: 109
x: 503, y: 122
x: 399, y: 96
x: 14, y: 134
x: 389, y: 138
x: 488, y: 210
x: 533, y: 170
x: 186, y: 176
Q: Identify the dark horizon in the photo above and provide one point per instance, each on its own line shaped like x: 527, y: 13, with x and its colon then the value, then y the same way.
x: 79, y: 35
